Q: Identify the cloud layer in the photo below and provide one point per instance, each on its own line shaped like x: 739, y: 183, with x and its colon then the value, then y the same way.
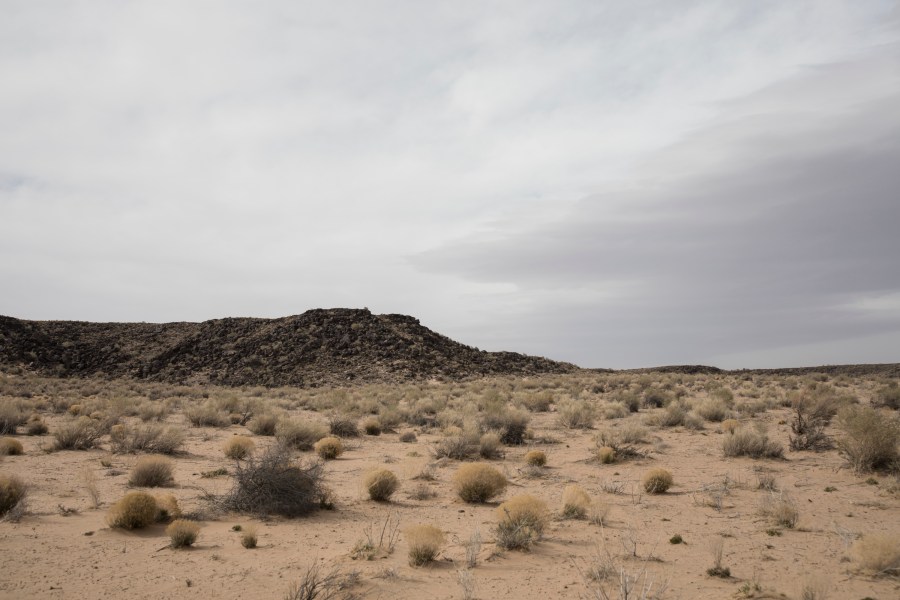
x: 616, y: 184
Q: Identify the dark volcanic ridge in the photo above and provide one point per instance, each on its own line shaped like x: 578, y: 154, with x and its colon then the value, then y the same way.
x: 319, y: 347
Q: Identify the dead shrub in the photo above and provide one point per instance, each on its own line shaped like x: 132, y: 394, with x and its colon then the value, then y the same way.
x: 135, y: 510
x: 576, y: 502
x: 539, y: 402
x: 408, y: 437
x: 457, y: 447
x: 329, y: 448
x: 576, y: 414
x: 780, y: 508
x: 238, y: 447
x: 511, y: 425
x: 36, y: 425
x: 82, y: 433
x: 372, y: 426
x: 535, y: 458
x: 148, y: 437
x: 342, y: 425
x: 870, y: 438
x: 606, y: 455
x: 265, y: 424
x: 301, y: 435
x: 878, y: 554
x: 522, y: 522
x: 207, y: 414
x: 812, y: 413
x: 755, y: 444
x: 424, y: 543
x: 713, y: 410
x: 729, y: 425
x: 673, y: 416
x: 166, y: 508
x: 657, y: 481
x: 489, y: 446
x: 478, y: 482
x: 381, y: 484
x: 12, y: 494
x: 274, y: 485
x: 620, y: 442
x: 152, y: 471
x: 249, y: 537
x: 182, y: 533
x: 10, y: 447
x: 10, y: 417
x: 888, y: 396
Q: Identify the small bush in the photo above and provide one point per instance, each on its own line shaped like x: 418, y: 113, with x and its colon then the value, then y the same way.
x: 166, y: 508
x: 745, y: 442
x: 522, y: 522
x: 342, y: 425
x: 10, y: 417
x: 657, y: 481
x: 182, y: 533
x: 239, y: 447
x: 673, y: 416
x: 372, y: 426
x: 152, y: 471
x: 264, y: 424
x: 457, y: 447
x: 301, y: 435
x: 36, y: 426
x: 274, y: 485
x: 535, y: 458
x: 870, y: 438
x: 10, y: 447
x: 82, y: 433
x: 878, y: 554
x: 511, y: 425
x: 888, y: 396
x: 12, y: 492
x: 329, y: 448
x: 780, y: 508
x: 249, y: 537
x: 207, y: 414
x: 606, y: 455
x: 381, y: 485
x: 424, y: 542
x: 133, y: 511
x: 712, y: 410
x: 539, y: 402
x: 576, y: 502
x: 489, y: 446
x: 478, y: 482
x: 576, y: 414
x: 729, y: 425
x: 148, y: 437
x: 408, y: 437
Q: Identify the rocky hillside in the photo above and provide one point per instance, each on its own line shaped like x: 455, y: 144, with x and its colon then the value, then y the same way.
x: 318, y: 347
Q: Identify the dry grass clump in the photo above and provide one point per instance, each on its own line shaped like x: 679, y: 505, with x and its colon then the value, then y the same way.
x: 606, y: 455
x: 489, y: 446
x: 424, y: 542
x: 36, y: 425
x: 10, y: 447
x: 10, y: 417
x: 535, y: 458
x: 207, y: 414
x: 729, y: 425
x: 239, y: 447
x: 264, y: 424
x: 457, y: 447
x: 342, y: 425
x: 167, y: 508
x: 82, y: 433
x: 510, y: 425
x: 148, y: 437
x: 329, y: 448
x: 888, y: 396
x: 371, y: 426
x: 381, y: 484
x: 182, y: 533
x: 657, y: 481
x: 613, y: 444
x: 274, y: 485
x: 539, y: 402
x: 152, y: 471
x: 522, y: 522
x: 249, y: 537
x: 301, y: 435
x: 878, y: 554
x: 870, y: 438
x: 576, y: 414
x: 780, y: 508
x: 135, y: 510
x: 576, y: 502
x: 713, y: 410
x: 756, y: 444
x: 408, y: 437
x: 478, y: 482
x: 12, y: 494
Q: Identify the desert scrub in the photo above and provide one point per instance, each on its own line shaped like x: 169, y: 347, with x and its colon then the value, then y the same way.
x: 424, y: 543
x: 371, y: 426
x: 135, y: 510
x: 510, y: 425
x: 82, y: 433
x: 274, y: 484
x: 457, y: 447
x: 207, y: 414
x: 182, y: 533
x: 780, y: 508
x: 755, y: 444
x: 249, y: 536
x: 877, y: 554
x: 239, y: 447
x: 729, y: 425
x: 152, y: 471
x: 10, y: 447
x: 606, y: 455
x: 657, y: 481
x: 329, y: 448
x: 147, y: 437
x: 535, y: 458
x: 380, y: 484
x: 869, y: 438
x: 522, y: 520
x: 301, y: 435
x: 575, y: 502
x: 489, y: 446
x: 888, y: 396
x: 713, y: 410
x: 576, y: 414
x: 342, y: 425
x: 10, y: 417
x: 36, y: 425
x: 12, y: 491
x: 478, y: 482
x: 408, y: 437
x: 166, y: 508
x: 264, y: 424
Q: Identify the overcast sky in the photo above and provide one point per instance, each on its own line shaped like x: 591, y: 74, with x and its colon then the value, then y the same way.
x: 612, y: 183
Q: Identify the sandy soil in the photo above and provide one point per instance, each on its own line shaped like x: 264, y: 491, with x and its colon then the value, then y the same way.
x: 49, y: 555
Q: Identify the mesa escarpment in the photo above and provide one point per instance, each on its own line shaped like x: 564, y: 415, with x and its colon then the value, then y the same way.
x: 318, y: 347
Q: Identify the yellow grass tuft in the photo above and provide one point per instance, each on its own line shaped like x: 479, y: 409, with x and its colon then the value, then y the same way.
x: 478, y: 482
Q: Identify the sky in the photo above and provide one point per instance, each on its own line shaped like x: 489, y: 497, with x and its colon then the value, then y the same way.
x: 615, y: 184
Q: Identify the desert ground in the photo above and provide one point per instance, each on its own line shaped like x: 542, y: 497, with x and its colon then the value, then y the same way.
x: 821, y: 522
